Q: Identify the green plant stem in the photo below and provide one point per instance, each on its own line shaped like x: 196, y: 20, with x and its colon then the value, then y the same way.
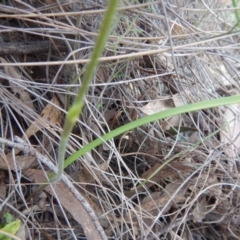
x: 76, y: 109
x: 235, y: 5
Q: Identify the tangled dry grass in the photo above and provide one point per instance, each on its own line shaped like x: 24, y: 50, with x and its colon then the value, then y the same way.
x: 159, y: 55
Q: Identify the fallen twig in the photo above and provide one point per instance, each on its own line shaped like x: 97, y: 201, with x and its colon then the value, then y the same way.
x: 89, y: 230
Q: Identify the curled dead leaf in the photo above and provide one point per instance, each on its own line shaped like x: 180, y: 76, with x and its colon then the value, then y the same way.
x: 171, y: 170
x: 157, y: 106
x: 3, y: 189
x: 68, y: 201
x: 200, y: 210
x: 163, y: 104
x: 13, y: 77
x: 22, y: 162
x: 88, y: 176
x: 159, y: 200
x: 50, y: 114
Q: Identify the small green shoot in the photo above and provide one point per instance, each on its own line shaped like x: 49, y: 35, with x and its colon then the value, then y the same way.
x: 236, y: 13
x: 8, y: 217
x: 10, y: 228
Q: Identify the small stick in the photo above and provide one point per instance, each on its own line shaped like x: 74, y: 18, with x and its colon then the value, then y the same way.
x: 25, y: 48
x: 27, y: 149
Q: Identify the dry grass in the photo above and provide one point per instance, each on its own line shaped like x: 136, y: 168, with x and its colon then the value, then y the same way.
x: 155, y: 51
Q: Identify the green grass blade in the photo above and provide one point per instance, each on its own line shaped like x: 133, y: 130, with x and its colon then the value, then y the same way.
x: 236, y: 12
x: 151, y: 118
x: 78, y: 103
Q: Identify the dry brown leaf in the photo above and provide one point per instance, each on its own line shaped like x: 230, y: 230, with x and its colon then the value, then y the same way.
x: 200, y: 210
x: 152, y: 204
x: 3, y: 189
x: 216, y: 189
x: 109, y: 114
x: 156, y: 106
x: 46, y: 142
x: 102, y: 168
x: 101, y: 75
x: 171, y: 122
x: 180, y: 99
x: 23, y: 162
x: 195, y: 137
x: 163, y: 104
x: 68, y: 201
x: 105, y: 147
x: 177, y: 30
x: 159, y: 200
x: 23, y: 94
x: 50, y: 113
x: 95, y: 129
x: 170, y: 170
x: 151, y: 201
x: 86, y: 176
x: 164, y: 61
x: 205, y: 181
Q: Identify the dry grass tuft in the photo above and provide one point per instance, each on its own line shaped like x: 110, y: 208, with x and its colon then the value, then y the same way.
x: 158, y: 56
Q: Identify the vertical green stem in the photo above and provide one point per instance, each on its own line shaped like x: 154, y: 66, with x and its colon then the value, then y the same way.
x: 236, y: 12
x: 76, y: 109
